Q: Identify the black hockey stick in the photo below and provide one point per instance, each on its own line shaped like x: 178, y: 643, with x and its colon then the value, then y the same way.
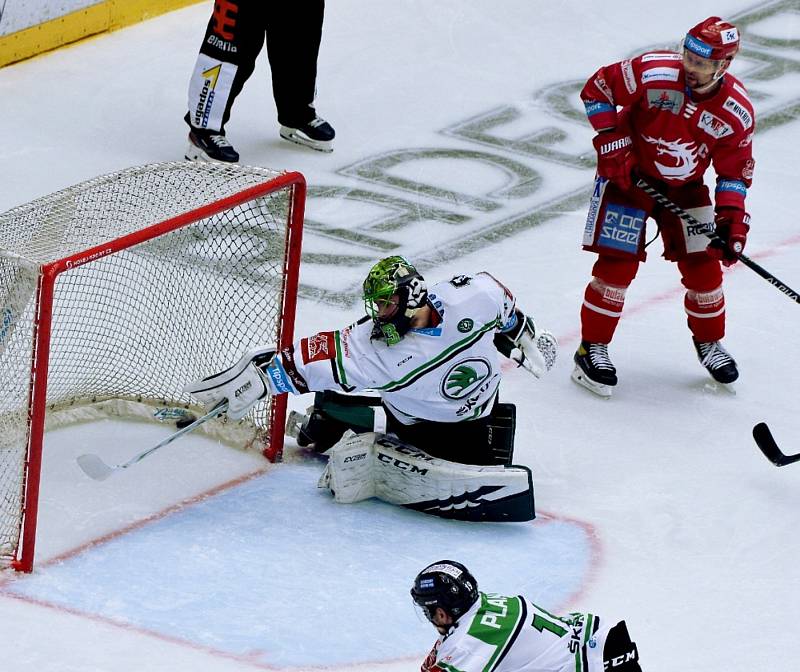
x: 686, y: 217
x: 766, y: 442
x: 94, y: 467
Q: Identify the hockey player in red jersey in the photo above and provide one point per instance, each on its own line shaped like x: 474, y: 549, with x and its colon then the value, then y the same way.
x: 680, y: 113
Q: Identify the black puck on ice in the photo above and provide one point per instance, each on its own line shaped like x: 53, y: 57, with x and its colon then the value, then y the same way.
x: 185, y: 421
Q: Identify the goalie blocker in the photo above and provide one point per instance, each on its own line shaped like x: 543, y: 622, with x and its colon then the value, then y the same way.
x: 361, y: 466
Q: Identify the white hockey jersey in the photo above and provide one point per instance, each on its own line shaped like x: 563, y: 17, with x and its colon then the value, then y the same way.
x: 446, y: 373
x: 512, y: 634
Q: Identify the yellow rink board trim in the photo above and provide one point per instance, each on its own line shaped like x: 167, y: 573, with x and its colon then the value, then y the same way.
x: 104, y: 16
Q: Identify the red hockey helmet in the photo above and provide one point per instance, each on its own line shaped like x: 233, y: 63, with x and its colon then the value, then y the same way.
x: 713, y: 38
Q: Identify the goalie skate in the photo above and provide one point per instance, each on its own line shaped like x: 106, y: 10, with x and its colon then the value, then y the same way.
x: 295, y: 422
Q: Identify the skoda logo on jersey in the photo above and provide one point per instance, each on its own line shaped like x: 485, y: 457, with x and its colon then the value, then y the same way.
x: 464, y: 377
x: 465, y: 325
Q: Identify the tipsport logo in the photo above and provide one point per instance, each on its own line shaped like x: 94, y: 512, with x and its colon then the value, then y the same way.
x: 203, y: 109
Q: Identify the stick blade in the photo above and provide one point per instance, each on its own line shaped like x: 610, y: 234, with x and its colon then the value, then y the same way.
x: 94, y: 467
x: 766, y: 443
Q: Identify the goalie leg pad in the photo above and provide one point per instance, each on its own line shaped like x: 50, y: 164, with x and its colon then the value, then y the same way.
x: 349, y: 473
x: 377, y: 465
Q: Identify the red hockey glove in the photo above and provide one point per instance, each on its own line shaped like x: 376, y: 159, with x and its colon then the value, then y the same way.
x: 615, y: 158
x: 731, y: 225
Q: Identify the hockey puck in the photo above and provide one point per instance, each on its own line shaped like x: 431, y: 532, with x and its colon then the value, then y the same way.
x: 185, y: 421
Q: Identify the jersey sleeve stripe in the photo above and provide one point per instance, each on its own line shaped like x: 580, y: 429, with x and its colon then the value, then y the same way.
x: 582, y: 656
x: 337, y: 365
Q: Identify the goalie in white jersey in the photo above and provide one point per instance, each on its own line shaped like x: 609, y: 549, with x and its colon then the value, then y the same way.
x: 432, y: 355
x: 483, y: 632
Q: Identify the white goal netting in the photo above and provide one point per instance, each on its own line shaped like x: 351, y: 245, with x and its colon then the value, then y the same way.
x: 159, y: 275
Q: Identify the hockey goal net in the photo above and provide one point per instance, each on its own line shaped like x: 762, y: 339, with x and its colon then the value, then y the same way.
x: 118, y: 291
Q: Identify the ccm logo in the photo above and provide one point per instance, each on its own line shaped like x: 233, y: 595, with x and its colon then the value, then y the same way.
x: 399, y: 464
x: 619, y: 660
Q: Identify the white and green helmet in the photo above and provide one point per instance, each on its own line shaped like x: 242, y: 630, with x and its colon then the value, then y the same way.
x: 393, y: 277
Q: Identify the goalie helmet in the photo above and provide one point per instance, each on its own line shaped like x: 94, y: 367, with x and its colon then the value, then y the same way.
x: 713, y: 38
x: 393, y: 293
x: 445, y: 584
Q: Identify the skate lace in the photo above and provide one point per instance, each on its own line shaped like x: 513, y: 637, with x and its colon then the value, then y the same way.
x: 220, y: 141
x: 598, y: 355
x: 316, y: 121
x: 714, y: 356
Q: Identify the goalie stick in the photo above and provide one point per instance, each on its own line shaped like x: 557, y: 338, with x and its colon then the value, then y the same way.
x: 686, y: 217
x: 94, y: 467
x: 766, y: 442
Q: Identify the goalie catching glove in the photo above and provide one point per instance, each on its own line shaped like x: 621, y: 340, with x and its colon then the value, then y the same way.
x: 533, y: 350
x: 257, y: 374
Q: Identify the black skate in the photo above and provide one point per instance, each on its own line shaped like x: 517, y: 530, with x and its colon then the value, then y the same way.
x: 210, y: 146
x: 315, y: 429
x: 717, y: 361
x: 317, y: 134
x: 593, y: 368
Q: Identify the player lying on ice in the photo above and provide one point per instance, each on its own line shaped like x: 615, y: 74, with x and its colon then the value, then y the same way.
x: 483, y: 632
x: 432, y: 355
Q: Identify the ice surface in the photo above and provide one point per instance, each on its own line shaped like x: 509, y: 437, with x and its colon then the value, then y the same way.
x: 657, y: 505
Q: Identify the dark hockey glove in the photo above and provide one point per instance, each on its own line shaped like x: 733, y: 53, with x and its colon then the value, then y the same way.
x: 615, y: 158
x: 731, y: 226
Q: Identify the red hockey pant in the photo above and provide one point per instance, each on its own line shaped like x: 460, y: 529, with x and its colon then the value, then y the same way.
x: 604, y: 298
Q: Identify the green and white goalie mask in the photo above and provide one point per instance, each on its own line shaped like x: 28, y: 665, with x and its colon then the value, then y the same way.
x: 393, y: 293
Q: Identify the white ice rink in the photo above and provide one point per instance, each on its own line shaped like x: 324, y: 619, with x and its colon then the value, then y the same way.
x: 461, y: 144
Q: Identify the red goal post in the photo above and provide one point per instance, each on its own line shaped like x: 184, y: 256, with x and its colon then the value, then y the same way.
x: 118, y: 291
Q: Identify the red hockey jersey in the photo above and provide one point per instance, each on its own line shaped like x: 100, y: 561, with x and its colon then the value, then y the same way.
x: 676, y: 137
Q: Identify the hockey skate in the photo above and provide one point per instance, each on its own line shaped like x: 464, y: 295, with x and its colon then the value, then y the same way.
x: 717, y: 361
x: 210, y: 146
x: 593, y: 368
x: 314, y: 429
x: 317, y: 134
